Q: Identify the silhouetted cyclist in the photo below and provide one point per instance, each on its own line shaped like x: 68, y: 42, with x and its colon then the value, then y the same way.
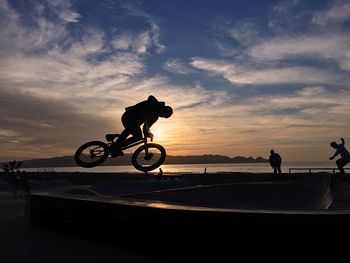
x: 275, y: 161
x: 345, y: 155
x: 147, y: 113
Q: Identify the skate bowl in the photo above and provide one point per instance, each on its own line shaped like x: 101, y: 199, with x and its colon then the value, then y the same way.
x: 311, y: 192
x: 212, y: 219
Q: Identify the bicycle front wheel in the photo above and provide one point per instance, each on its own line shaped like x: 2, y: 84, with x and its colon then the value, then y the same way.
x: 91, y: 154
x: 148, y: 157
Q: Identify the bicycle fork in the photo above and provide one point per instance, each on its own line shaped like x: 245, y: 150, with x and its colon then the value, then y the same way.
x: 148, y: 155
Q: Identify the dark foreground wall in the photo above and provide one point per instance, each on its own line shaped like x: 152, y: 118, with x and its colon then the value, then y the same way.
x: 180, y: 231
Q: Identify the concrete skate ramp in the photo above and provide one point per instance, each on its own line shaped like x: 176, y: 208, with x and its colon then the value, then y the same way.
x: 310, y: 192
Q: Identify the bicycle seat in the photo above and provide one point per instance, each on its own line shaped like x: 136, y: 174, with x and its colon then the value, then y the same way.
x: 111, y: 137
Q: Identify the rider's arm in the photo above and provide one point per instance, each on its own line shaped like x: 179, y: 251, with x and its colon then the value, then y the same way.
x: 146, y: 126
x: 334, y: 155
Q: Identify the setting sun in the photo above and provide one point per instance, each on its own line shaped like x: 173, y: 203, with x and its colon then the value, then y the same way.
x: 157, y: 133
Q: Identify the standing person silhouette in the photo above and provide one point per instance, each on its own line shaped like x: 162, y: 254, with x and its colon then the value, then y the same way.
x: 345, y: 155
x: 147, y: 113
x: 275, y: 162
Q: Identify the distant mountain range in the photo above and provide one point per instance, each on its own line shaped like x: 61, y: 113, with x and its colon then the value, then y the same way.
x: 68, y: 161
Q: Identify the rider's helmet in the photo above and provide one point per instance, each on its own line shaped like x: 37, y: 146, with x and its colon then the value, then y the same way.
x: 166, y: 112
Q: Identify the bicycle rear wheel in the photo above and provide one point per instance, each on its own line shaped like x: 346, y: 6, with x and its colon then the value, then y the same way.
x: 148, y: 157
x: 91, y: 154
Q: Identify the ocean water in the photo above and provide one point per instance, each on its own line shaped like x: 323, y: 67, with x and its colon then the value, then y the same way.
x: 197, y: 168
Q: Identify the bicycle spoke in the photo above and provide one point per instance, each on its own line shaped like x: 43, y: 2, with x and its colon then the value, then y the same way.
x: 92, y: 153
x: 148, y: 160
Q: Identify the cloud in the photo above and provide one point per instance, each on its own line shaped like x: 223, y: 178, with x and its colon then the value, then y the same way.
x: 288, y: 16
x: 123, y: 42
x: 317, y: 115
x: 293, y: 52
x: 338, y: 13
x: 327, y: 46
x: 325, y: 43
x: 247, y: 74
x: 153, y: 35
x: 139, y: 43
x: 44, y: 125
x: 324, y: 46
x: 307, y: 98
x: 177, y: 67
x: 69, y: 16
x: 244, y: 32
x: 312, y: 109
x: 63, y: 9
x: 44, y: 25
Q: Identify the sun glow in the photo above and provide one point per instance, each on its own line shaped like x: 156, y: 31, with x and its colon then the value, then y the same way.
x: 157, y: 133
x: 163, y: 132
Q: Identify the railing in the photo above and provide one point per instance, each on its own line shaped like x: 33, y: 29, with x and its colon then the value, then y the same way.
x: 316, y: 169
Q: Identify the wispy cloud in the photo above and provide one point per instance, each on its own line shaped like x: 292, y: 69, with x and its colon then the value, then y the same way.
x: 245, y: 33
x: 324, y: 46
x: 247, y: 74
x: 178, y: 67
x: 338, y: 13
x: 19, y: 38
x: 153, y: 35
x: 283, y: 56
x: 139, y: 43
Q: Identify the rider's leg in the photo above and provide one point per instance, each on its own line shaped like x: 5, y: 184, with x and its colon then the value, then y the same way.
x: 116, y: 146
x: 341, y: 163
x: 123, y: 139
x: 136, y: 133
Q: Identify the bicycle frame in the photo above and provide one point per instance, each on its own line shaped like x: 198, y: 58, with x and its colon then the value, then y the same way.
x: 142, y: 140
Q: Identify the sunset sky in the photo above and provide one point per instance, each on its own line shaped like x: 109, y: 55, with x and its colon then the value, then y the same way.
x: 242, y: 76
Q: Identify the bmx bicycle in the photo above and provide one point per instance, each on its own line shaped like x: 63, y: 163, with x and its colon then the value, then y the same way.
x: 145, y: 158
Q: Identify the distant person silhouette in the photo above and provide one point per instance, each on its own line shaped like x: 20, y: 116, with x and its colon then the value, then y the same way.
x: 345, y: 155
x: 275, y: 162
x: 147, y: 113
